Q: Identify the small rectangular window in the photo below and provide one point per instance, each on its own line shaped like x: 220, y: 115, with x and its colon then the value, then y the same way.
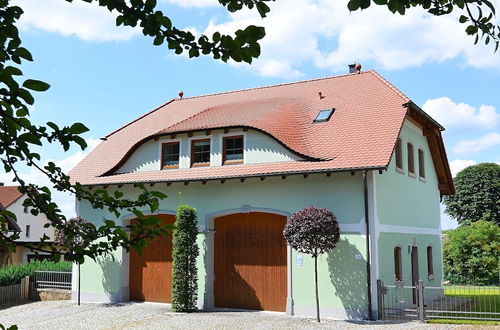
x: 232, y: 150
x: 170, y: 155
x: 411, y: 160
x: 421, y: 163
x: 398, y: 275
x: 399, y: 155
x: 26, y: 209
x: 324, y: 115
x: 27, y: 232
x: 430, y: 268
x: 200, y: 152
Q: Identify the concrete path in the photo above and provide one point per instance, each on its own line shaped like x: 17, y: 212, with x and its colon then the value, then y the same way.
x: 67, y: 315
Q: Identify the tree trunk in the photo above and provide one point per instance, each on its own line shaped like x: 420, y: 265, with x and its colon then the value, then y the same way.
x: 79, y: 284
x: 316, y: 282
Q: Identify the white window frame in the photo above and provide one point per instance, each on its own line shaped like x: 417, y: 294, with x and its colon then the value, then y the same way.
x: 201, y: 137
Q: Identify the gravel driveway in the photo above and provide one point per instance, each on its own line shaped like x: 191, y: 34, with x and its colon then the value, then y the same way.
x: 67, y: 315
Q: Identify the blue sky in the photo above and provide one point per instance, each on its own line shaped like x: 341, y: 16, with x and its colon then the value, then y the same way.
x: 105, y: 76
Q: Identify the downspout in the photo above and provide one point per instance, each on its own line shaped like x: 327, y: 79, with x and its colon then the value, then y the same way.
x: 368, y: 258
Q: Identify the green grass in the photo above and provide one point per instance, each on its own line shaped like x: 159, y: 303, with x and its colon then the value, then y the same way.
x: 484, y: 300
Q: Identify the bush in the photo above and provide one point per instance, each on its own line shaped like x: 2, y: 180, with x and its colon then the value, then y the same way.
x: 471, y: 254
x: 13, y: 274
x: 185, y: 252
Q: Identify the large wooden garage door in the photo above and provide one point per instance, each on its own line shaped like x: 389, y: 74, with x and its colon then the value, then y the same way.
x: 250, y: 262
x: 151, y: 272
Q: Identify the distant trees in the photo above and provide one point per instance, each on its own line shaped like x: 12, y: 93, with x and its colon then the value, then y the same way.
x: 185, y: 252
x: 477, y: 194
x: 313, y: 231
x: 471, y: 254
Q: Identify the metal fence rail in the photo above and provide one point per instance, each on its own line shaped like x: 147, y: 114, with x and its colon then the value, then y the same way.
x: 464, y: 302
x: 53, y: 280
x: 400, y: 302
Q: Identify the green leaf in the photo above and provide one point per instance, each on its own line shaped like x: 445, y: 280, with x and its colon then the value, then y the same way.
x: 78, y: 128
x: 36, y: 85
x: 23, y: 53
x: 262, y: 8
x: 463, y: 19
x: 353, y: 5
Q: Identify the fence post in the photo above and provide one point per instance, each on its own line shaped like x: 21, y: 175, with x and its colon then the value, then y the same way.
x: 380, y: 305
x: 421, y: 308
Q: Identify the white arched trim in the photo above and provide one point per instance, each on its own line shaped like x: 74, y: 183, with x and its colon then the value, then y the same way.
x: 126, y: 218
x: 209, y: 220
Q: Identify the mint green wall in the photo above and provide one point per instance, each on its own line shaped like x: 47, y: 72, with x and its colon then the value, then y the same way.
x: 342, y: 272
x: 341, y: 276
x: 404, y: 200
x: 387, y: 243
x: 259, y: 148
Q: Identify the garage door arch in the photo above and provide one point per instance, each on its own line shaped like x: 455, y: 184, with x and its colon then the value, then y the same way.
x: 250, y: 261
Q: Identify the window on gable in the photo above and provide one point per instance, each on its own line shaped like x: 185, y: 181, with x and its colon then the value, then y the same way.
x: 27, y: 231
x: 430, y: 268
x: 421, y: 163
x: 170, y: 155
x: 399, y: 154
x: 232, y: 150
x: 411, y: 160
x: 324, y: 115
x: 200, y: 152
x: 26, y: 209
x: 398, y: 272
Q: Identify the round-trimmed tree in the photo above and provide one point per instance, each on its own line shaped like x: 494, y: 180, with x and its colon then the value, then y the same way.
x: 314, y: 231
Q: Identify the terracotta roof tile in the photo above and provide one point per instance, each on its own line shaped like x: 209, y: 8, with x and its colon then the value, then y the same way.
x: 369, y: 113
x: 8, y: 195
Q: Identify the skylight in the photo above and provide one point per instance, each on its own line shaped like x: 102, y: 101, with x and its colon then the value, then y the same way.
x: 324, y: 115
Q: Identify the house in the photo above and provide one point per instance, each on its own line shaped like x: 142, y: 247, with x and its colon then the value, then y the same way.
x: 247, y: 160
x: 30, y: 227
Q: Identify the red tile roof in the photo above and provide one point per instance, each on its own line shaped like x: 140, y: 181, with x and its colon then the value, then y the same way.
x: 369, y: 113
x: 8, y: 195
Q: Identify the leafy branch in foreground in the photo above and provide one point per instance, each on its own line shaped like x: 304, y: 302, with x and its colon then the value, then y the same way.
x: 478, y: 15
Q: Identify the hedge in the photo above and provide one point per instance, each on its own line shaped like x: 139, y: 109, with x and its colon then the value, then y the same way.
x: 14, y: 273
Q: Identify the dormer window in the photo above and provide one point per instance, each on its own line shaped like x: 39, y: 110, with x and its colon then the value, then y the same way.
x: 200, y: 152
x: 324, y: 115
x: 170, y: 155
x: 232, y: 150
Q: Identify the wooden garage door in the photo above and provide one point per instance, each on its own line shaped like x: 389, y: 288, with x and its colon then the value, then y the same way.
x: 250, y: 262
x: 151, y: 272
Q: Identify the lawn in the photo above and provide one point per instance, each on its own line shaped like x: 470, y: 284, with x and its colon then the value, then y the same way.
x: 476, y: 300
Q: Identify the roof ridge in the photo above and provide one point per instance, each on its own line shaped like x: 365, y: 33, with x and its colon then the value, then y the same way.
x: 275, y: 85
x: 388, y: 84
x: 140, y: 117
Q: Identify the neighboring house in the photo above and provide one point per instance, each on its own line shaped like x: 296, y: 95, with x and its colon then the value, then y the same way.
x: 249, y: 159
x: 30, y: 227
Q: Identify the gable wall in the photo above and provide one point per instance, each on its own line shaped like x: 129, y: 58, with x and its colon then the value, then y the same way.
x: 36, y: 223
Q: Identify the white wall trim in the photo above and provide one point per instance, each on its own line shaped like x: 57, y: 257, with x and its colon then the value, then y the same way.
x: 373, y: 238
x: 353, y: 227
x: 383, y: 228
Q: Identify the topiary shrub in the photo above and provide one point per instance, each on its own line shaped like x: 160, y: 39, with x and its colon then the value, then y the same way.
x: 185, y: 252
x: 313, y: 230
x: 14, y: 273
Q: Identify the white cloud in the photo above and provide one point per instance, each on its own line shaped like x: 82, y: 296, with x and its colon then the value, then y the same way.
x: 65, y: 201
x: 459, y: 164
x: 86, y: 21
x: 455, y: 115
x: 476, y: 145
x: 325, y: 34
x: 194, y: 3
